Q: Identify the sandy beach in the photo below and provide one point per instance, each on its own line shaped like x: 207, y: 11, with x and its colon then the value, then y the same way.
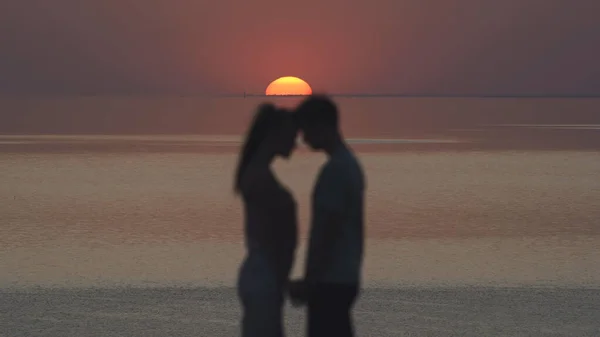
x: 148, y: 244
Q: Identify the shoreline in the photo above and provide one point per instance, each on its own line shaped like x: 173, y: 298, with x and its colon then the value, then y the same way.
x: 377, y: 313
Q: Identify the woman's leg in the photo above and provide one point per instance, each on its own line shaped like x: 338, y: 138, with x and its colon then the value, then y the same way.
x: 262, y: 300
x: 262, y: 316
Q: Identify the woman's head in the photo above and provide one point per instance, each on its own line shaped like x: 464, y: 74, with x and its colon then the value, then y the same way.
x: 272, y: 129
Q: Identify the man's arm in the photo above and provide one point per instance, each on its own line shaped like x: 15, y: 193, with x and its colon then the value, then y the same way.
x: 319, y: 255
x: 328, y: 219
x: 321, y: 247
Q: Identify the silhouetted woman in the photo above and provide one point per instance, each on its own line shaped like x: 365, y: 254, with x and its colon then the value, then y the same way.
x: 270, y: 222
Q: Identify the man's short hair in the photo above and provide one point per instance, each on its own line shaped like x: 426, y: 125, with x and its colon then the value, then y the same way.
x: 317, y: 109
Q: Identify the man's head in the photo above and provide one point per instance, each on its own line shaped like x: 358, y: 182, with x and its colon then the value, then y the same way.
x: 317, y: 117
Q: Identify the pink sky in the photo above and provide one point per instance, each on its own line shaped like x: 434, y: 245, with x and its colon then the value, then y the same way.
x: 230, y: 46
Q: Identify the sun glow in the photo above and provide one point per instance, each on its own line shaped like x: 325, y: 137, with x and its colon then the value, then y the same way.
x: 288, y: 85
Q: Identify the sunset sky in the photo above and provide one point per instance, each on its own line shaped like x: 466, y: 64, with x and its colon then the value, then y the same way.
x: 490, y: 47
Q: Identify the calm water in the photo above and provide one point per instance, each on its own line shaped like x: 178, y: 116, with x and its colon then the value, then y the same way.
x: 80, y: 211
x: 361, y: 117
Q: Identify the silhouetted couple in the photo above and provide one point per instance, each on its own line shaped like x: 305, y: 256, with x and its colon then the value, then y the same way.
x: 333, y: 264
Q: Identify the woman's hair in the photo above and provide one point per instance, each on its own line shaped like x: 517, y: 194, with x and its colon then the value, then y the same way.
x: 267, y: 118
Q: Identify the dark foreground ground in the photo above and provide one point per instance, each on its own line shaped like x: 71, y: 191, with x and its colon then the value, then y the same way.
x: 379, y: 312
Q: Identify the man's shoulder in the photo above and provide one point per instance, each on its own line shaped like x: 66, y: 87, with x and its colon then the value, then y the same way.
x: 344, y: 160
x: 336, y: 168
x: 350, y: 164
x: 343, y: 169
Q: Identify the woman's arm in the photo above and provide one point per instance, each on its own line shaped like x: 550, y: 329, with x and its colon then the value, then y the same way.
x: 278, y: 233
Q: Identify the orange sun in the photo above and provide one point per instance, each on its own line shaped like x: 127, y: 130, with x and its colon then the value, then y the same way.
x: 288, y: 85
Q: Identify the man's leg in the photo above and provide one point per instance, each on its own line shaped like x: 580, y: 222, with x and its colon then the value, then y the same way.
x: 329, y: 310
x: 346, y: 295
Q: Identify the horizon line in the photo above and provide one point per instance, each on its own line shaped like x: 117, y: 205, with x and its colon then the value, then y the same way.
x: 418, y: 95
x: 348, y: 95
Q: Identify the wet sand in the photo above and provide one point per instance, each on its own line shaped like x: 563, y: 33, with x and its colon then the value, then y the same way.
x: 462, y: 311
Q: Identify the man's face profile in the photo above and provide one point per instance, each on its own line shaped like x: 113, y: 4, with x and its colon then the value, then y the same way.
x: 312, y: 136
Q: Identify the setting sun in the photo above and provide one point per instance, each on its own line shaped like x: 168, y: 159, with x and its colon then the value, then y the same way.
x: 288, y: 85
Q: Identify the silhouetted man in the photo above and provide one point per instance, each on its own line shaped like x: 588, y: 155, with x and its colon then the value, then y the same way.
x: 333, y: 265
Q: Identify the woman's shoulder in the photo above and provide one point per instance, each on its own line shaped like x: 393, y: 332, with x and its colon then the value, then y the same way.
x: 261, y: 184
x: 254, y: 177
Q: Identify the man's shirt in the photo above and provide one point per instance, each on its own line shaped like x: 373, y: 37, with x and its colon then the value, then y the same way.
x: 340, y: 190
